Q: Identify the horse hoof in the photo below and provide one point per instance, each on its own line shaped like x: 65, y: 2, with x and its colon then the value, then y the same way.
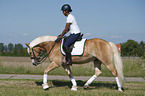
x: 45, y: 86
x: 74, y: 88
x: 119, y: 89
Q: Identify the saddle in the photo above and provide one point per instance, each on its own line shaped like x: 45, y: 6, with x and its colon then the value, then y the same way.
x: 77, y: 48
x: 72, y: 45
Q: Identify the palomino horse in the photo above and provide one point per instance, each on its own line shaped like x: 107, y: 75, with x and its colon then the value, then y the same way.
x: 97, y: 50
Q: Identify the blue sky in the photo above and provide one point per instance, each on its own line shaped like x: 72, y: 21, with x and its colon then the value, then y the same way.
x: 22, y: 21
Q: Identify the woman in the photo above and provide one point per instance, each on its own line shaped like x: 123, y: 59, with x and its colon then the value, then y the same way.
x: 72, y: 27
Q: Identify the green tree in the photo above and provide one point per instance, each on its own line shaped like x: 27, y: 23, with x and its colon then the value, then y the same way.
x: 20, y: 49
x: 142, y: 47
x: 25, y: 52
x: 15, y: 51
x: 129, y: 48
x: 132, y: 48
x: 10, y: 46
x: 5, y: 48
x: 1, y: 48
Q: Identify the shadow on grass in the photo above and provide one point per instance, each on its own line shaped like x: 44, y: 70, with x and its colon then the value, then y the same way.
x: 56, y: 83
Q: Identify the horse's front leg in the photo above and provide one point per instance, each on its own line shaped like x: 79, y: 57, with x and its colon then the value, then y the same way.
x: 74, y: 84
x: 52, y: 66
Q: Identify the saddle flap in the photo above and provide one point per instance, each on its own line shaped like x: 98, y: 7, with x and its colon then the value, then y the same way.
x: 78, y: 48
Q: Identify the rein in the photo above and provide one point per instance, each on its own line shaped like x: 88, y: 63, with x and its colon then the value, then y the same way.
x: 44, y: 55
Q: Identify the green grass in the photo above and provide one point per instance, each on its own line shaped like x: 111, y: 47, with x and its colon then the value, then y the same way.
x: 134, y: 68
x: 22, y: 65
x: 62, y: 88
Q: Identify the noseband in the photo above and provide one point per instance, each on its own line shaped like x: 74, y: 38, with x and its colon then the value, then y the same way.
x: 38, y: 60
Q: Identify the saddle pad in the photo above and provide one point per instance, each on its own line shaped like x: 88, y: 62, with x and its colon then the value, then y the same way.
x: 78, y: 48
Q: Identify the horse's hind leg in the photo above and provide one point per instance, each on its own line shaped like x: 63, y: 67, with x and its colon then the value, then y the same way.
x: 114, y: 72
x: 112, y: 69
x: 97, y: 66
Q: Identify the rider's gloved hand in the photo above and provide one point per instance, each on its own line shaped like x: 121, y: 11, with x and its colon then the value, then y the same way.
x: 57, y: 40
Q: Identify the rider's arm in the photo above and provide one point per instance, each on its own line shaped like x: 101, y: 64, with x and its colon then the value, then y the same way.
x: 67, y: 26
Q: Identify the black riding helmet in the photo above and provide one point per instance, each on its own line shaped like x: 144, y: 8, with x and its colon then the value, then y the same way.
x: 66, y: 7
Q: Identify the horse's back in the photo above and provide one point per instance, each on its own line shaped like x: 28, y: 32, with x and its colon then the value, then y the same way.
x: 97, y: 40
x: 99, y: 48
x: 97, y: 43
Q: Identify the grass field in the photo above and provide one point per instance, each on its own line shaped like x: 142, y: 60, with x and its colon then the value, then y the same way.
x: 22, y: 65
x: 62, y: 88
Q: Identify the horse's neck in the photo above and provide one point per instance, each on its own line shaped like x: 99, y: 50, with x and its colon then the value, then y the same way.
x: 47, y: 45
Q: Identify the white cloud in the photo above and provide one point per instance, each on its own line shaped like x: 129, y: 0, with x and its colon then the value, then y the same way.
x: 113, y: 36
x: 25, y: 34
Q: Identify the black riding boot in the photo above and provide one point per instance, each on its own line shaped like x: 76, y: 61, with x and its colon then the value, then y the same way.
x: 68, y: 56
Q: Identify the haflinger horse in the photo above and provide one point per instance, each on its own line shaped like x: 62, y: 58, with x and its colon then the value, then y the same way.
x: 97, y: 50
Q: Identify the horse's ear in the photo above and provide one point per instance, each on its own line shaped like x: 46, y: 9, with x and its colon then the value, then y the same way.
x: 27, y: 45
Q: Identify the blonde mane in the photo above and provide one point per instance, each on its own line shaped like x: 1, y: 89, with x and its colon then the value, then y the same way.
x: 41, y: 39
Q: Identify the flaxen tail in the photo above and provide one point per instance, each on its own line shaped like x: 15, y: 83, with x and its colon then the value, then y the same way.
x: 118, y: 62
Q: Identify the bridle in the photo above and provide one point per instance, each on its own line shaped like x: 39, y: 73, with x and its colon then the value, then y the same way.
x: 38, y: 60
x: 42, y: 56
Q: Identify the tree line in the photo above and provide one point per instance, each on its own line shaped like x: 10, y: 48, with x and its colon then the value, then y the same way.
x: 133, y: 48
x: 129, y: 48
x: 13, y: 50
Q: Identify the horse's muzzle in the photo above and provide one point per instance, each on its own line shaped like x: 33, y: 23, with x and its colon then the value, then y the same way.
x: 35, y: 62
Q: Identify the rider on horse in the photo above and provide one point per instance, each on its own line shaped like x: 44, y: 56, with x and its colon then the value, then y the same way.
x: 72, y: 27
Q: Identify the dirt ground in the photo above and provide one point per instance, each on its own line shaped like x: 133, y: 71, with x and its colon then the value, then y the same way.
x: 83, y: 78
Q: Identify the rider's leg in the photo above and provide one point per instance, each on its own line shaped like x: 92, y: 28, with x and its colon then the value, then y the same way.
x: 68, y: 56
x: 69, y: 41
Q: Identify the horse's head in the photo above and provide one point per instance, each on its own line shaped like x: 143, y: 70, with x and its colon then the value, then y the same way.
x: 35, y: 54
x: 36, y: 49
